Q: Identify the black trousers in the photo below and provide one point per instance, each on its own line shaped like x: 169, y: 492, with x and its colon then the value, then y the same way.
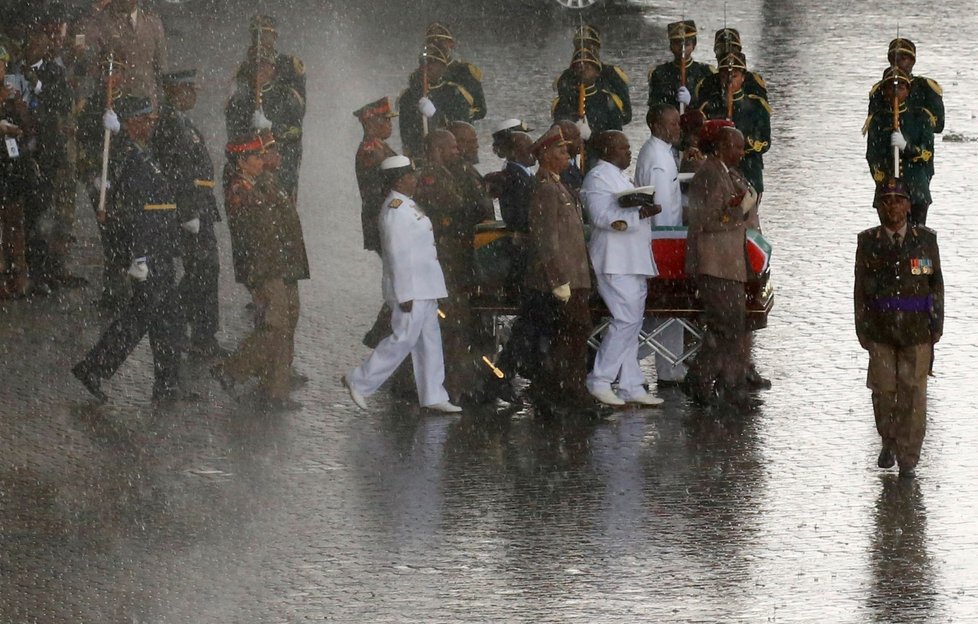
x: 198, y: 287
x: 152, y: 309
x: 115, y: 252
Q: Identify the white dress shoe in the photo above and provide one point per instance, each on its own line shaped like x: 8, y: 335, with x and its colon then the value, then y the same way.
x: 607, y: 397
x: 646, y: 399
x: 445, y: 408
x: 356, y: 396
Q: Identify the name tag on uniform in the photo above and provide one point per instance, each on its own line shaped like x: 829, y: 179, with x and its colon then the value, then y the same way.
x: 12, y: 150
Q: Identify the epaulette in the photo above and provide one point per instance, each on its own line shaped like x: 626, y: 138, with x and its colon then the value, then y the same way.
x: 621, y: 73
x: 301, y: 99
x: 936, y: 88
x: 869, y: 121
x: 763, y: 102
x: 759, y: 80
x: 298, y: 66
x: 475, y: 71
x: 395, y: 203
x: 875, y: 88
x: 925, y: 229
x: 553, y: 106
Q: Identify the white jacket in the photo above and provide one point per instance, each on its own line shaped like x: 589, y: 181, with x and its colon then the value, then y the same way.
x: 411, y: 268
x: 613, y: 251
x: 656, y: 166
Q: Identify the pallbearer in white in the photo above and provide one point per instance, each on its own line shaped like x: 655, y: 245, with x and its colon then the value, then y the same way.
x: 657, y: 166
x: 621, y: 253
x: 412, y: 284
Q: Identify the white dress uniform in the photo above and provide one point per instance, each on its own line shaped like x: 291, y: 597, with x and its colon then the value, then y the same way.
x: 411, y: 273
x: 657, y: 165
x: 621, y: 253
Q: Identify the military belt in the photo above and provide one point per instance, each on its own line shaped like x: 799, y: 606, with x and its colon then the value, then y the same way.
x: 920, y: 303
x: 204, y: 184
x: 160, y: 207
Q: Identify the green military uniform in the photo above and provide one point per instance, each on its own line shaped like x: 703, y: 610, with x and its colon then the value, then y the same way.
x: 899, y: 314
x: 613, y: 78
x: 289, y: 69
x: 916, y: 160
x: 457, y: 71
x: 751, y: 115
x: 664, y: 81
x: 925, y: 94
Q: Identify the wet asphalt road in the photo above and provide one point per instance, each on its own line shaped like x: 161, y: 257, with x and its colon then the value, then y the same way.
x: 217, y: 513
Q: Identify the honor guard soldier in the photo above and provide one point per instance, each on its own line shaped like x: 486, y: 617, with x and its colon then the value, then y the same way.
x: 899, y: 313
x: 590, y: 101
x: 587, y: 37
x: 431, y: 102
x: 925, y: 94
x: 264, y: 100
x: 912, y: 139
x: 750, y: 113
x: 413, y: 284
x: 725, y: 41
x: 288, y: 69
x: 146, y: 204
x: 462, y: 73
x: 377, y: 128
x: 269, y: 259
x: 183, y: 155
x: 676, y: 81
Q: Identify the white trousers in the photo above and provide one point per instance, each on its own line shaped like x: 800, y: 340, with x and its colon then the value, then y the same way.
x: 671, y: 338
x: 617, y: 357
x: 416, y: 333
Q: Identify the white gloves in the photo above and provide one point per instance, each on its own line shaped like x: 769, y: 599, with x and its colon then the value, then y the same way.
x: 749, y: 201
x: 427, y: 107
x: 683, y: 96
x: 110, y: 121
x: 898, y: 140
x: 562, y: 292
x: 259, y: 121
x: 138, y: 270
x: 192, y: 226
x: 97, y: 183
x: 584, y: 128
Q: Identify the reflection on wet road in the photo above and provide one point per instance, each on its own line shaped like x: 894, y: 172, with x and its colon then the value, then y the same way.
x: 217, y: 513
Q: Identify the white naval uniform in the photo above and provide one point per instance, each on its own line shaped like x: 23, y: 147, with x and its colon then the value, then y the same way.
x: 657, y: 165
x: 411, y: 273
x: 622, y: 260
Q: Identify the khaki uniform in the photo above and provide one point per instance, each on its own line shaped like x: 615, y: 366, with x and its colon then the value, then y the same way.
x: 369, y: 156
x: 142, y: 46
x: 899, y: 309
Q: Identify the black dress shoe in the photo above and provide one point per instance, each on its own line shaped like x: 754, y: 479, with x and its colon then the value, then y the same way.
x: 756, y: 382
x: 908, y: 473
x: 221, y: 377
x: 91, y: 382
x: 297, y: 379
x: 209, y: 349
x: 887, y: 458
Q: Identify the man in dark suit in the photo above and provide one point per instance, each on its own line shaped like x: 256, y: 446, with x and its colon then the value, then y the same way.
x: 899, y: 312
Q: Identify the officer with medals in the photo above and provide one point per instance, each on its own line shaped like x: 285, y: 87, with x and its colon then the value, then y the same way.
x: 460, y: 72
x: 750, y: 113
x: 288, y: 68
x: 183, y: 155
x: 589, y: 100
x: 375, y: 118
x: 267, y: 100
x: 899, y: 314
x: 587, y: 37
x: 434, y: 97
x: 665, y: 86
x: 925, y: 94
x: 413, y: 284
x: 146, y: 203
x: 912, y: 139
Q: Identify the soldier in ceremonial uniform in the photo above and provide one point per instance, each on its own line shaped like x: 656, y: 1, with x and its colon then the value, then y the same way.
x: 184, y: 157
x: 146, y: 203
x: 587, y: 37
x: 751, y: 115
x: 899, y: 313
x: 725, y: 41
x: 433, y: 97
x: 664, y: 79
x: 914, y: 139
x: 376, y: 121
x: 288, y: 68
x: 458, y: 71
x: 269, y: 259
x: 602, y: 107
x: 266, y: 100
x: 558, y: 281
x: 925, y: 94
x: 413, y: 284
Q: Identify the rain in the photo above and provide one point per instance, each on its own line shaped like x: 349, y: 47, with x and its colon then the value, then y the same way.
x: 214, y: 509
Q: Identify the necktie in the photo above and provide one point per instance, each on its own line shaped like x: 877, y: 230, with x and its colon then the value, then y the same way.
x: 897, y: 240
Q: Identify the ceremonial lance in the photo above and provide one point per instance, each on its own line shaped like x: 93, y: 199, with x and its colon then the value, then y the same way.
x: 100, y: 213
x: 896, y: 126
x: 424, y: 88
x: 682, y: 65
